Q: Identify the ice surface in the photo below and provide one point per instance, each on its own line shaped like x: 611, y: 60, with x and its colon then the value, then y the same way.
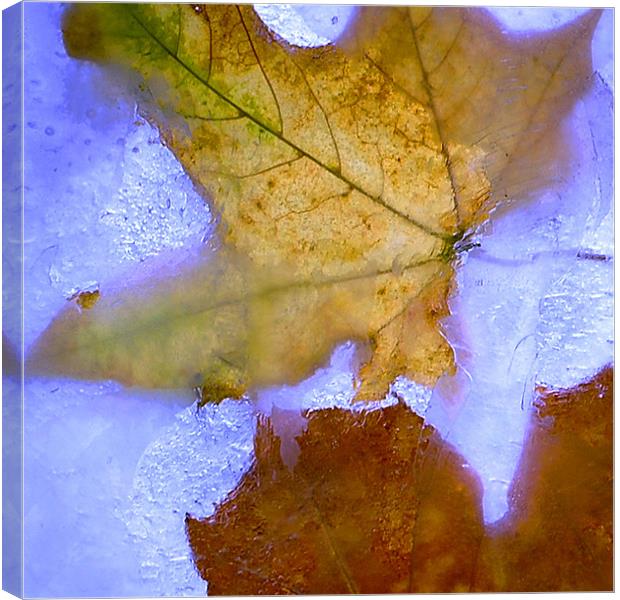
x: 83, y: 445
x: 102, y: 195
x: 102, y: 191
x: 110, y: 472
x: 576, y: 312
x: 521, y: 19
x: 306, y: 25
x: 189, y: 468
x: 12, y: 435
x: 12, y: 494
x: 334, y: 386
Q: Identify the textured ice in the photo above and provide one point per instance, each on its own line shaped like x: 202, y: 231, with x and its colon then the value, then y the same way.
x: 83, y: 445
x: 331, y: 386
x: 189, y: 468
x: 306, y: 25
x: 110, y: 472
x: 102, y: 191
x: 334, y: 386
x: 102, y: 195
x: 11, y: 502
x: 576, y: 311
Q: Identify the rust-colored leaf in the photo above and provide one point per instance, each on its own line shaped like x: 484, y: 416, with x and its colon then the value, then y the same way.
x: 378, y: 503
x: 345, y: 518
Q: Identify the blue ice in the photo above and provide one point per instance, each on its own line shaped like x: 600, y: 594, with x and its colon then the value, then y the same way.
x: 107, y: 489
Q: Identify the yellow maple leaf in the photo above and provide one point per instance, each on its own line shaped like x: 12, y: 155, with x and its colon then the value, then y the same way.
x: 346, y: 180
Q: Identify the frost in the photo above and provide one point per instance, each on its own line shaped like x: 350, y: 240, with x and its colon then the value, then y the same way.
x: 189, y: 468
x: 84, y: 441
x: 306, y: 25
x: 110, y: 472
x: 156, y: 206
x: 83, y: 444
x: 102, y: 190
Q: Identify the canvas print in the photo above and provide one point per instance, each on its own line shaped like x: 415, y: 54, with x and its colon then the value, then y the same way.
x: 306, y: 299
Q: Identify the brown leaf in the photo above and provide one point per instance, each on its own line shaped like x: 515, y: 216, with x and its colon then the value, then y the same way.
x: 345, y: 519
x: 495, y: 99
x: 378, y: 503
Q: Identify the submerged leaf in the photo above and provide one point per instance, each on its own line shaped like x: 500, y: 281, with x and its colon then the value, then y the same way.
x: 378, y: 503
x: 344, y: 178
x: 346, y: 518
x: 223, y: 322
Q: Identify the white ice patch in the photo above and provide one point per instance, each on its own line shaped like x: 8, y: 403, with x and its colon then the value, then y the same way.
x: 519, y: 19
x: 102, y: 191
x: 304, y: 24
x: 335, y: 386
x: 83, y: 443
x: 189, y: 468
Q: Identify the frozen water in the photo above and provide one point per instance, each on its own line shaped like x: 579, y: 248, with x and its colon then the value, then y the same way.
x: 102, y: 195
x: 110, y: 472
x: 334, y: 386
x: 102, y: 191
x: 576, y: 328
x: 523, y: 19
x: 304, y: 24
x: 83, y: 444
x: 189, y: 468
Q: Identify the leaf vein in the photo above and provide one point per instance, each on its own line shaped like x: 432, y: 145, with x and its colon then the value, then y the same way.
x: 260, y: 66
x: 437, y: 234
x: 435, y: 114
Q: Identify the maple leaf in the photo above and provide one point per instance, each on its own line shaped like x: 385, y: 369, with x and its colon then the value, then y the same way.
x: 344, y: 178
x: 343, y: 519
x: 377, y: 503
